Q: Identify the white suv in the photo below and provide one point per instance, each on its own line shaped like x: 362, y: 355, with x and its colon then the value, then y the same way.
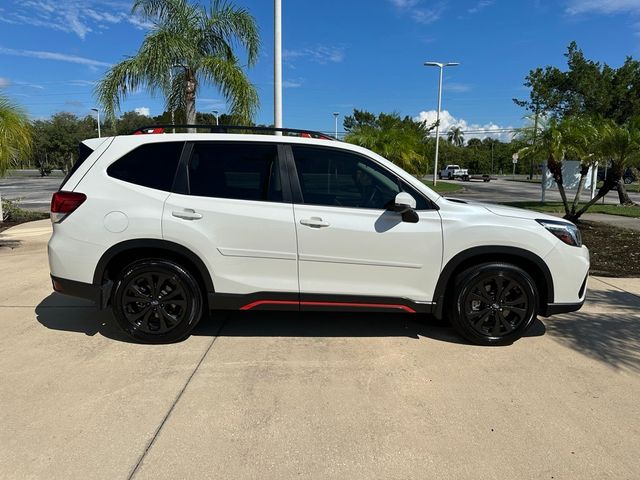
x: 164, y: 228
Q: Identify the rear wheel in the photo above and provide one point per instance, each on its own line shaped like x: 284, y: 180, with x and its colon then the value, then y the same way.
x: 157, y: 301
x: 494, y: 303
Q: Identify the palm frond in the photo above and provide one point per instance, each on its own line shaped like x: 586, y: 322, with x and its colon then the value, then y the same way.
x: 15, y: 134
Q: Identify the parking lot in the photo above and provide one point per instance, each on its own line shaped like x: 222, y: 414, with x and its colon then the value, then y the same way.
x: 274, y: 395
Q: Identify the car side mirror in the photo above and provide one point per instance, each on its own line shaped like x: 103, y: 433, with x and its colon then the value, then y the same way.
x: 404, y: 202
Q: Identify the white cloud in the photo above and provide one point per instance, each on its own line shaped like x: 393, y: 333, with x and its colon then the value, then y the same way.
x: 456, y: 87
x: 319, y: 54
x: 470, y: 130
x: 292, y: 83
x: 79, y: 17
x: 576, y: 7
x: 62, y: 57
x: 146, y: 111
x: 417, y: 10
x: 481, y: 5
x: 4, y: 82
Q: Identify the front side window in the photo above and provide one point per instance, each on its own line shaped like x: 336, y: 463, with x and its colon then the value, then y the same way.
x: 240, y: 171
x: 343, y: 179
x: 152, y: 165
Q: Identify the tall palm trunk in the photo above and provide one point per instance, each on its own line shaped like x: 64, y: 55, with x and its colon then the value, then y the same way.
x: 623, y: 195
x: 584, y: 169
x: 190, y: 102
x: 555, y: 168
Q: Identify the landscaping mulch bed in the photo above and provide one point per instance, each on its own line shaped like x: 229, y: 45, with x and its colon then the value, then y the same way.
x: 615, y: 252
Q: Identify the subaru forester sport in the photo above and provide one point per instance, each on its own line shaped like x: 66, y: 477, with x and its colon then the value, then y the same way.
x: 163, y: 228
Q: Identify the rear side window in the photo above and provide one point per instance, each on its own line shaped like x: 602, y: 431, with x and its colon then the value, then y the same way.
x: 152, y: 165
x: 235, y: 170
x: 84, y: 151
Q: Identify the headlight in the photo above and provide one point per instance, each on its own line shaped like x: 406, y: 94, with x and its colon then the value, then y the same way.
x: 567, y: 232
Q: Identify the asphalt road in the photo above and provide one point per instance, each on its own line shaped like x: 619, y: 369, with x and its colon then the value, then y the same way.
x: 339, y: 396
x: 35, y: 192
x: 502, y: 190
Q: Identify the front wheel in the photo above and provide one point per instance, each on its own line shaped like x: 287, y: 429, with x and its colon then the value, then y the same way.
x: 157, y: 301
x: 494, y: 303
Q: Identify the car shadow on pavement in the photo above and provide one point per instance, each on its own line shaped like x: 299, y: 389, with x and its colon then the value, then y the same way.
x: 59, y: 312
x: 335, y: 324
x: 611, y: 338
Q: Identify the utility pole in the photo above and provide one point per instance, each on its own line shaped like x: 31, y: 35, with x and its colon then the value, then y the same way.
x: 336, y: 115
x: 98, y: 112
x: 277, y: 64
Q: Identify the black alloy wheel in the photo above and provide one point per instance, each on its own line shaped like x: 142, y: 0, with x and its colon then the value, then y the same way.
x: 157, y: 301
x: 494, y: 303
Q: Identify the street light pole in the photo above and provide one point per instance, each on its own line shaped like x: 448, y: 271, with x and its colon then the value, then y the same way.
x: 441, y: 67
x: 98, y: 112
x: 335, y: 116
x: 277, y: 64
x: 215, y: 112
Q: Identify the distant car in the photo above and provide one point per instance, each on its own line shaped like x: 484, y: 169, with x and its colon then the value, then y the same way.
x: 163, y: 228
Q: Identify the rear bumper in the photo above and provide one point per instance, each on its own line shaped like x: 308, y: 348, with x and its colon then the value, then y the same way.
x: 99, y: 294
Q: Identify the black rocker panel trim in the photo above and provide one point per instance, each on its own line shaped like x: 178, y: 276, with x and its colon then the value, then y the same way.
x: 314, y: 302
x: 495, y: 252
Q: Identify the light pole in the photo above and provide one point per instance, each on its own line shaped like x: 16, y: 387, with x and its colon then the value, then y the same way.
x: 441, y: 67
x: 98, y: 112
x: 215, y: 112
x: 277, y: 63
x: 335, y: 116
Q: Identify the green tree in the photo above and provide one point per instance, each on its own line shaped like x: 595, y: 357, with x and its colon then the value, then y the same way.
x: 15, y: 134
x: 187, y: 46
x: 586, y: 88
x: 131, y: 121
x: 400, y: 140
x: 56, y: 140
x: 455, y: 136
x: 15, y: 137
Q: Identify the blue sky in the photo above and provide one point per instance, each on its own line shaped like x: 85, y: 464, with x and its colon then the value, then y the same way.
x: 338, y: 55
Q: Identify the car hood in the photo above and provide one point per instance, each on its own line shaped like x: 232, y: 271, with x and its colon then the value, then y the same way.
x: 505, y: 211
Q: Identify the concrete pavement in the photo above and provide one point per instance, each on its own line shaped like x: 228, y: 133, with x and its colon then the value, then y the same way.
x: 272, y: 395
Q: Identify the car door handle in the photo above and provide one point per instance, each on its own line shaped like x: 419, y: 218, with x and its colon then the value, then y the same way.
x: 315, y: 222
x: 187, y: 214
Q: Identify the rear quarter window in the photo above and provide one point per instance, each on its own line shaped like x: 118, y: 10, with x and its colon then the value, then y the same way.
x: 152, y: 165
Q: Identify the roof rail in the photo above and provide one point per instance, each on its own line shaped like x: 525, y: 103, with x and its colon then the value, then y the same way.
x: 292, y: 132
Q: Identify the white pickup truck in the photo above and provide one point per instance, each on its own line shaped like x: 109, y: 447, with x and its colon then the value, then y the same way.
x: 454, y: 171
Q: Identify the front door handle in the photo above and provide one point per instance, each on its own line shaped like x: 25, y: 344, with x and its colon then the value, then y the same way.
x: 187, y: 214
x: 315, y: 222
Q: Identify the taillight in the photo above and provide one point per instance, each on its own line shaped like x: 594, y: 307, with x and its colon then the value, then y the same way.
x: 63, y: 203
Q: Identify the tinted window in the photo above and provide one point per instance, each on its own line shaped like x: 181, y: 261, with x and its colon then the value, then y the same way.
x: 333, y: 177
x: 152, y: 165
x: 235, y: 170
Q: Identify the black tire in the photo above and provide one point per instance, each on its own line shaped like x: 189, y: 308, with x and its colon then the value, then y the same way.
x: 157, y: 301
x: 439, y: 176
x: 627, y: 180
x: 480, y: 311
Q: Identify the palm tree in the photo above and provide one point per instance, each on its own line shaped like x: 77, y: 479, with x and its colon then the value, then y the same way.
x: 188, y: 45
x: 455, y: 136
x: 551, y: 144
x: 15, y: 136
x: 621, y: 145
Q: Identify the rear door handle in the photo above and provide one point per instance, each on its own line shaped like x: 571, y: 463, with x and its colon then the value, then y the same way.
x: 315, y: 222
x: 187, y: 214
